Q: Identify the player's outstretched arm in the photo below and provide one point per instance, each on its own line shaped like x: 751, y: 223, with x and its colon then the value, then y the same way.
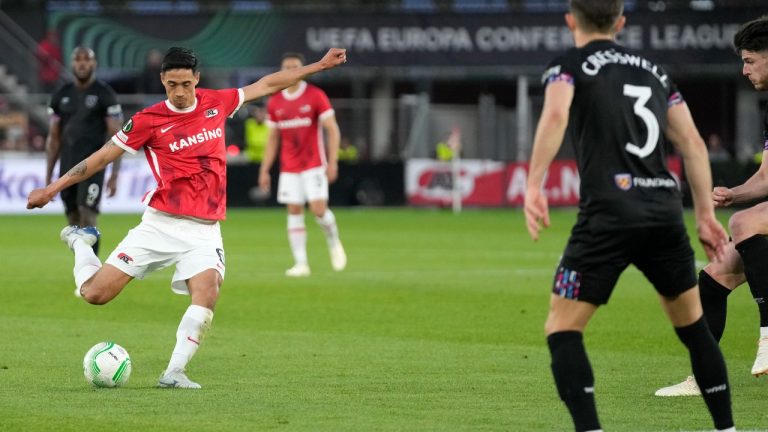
x: 682, y: 131
x: 756, y: 187
x: 83, y: 170
x: 333, y: 133
x: 549, y: 137
x: 277, y: 81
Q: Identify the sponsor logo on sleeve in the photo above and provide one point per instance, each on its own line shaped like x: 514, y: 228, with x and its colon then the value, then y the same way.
x: 128, y: 126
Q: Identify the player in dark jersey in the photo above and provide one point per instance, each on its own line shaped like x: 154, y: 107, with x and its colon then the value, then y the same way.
x: 83, y: 113
x: 745, y: 255
x: 616, y: 107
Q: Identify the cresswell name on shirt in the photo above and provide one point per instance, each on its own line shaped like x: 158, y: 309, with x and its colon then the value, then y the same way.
x: 198, y: 138
x: 598, y: 59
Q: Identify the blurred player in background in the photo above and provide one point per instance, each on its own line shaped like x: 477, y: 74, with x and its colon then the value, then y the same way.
x: 745, y: 256
x: 183, y: 140
x: 616, y: 107
x: 295, y: 116
x: 82, y: 114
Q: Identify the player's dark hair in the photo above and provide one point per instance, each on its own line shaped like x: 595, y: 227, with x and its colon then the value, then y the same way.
x: 294, y: 55
x: 752, y: 36
x: 179, y: 58
x: 597, y: 15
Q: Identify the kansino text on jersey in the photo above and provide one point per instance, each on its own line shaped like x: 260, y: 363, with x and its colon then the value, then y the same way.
x: 198, y: 138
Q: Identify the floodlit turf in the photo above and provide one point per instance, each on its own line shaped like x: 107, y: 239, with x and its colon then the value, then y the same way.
x: 435, y: 325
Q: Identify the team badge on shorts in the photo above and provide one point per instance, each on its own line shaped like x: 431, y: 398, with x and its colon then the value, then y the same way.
x: 623, y: 181
x: 567, y: 283
x: 122, y: 256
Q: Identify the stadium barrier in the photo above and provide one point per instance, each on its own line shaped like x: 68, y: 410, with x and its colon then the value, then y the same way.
x: 486, y: 183
x: 371, y: 184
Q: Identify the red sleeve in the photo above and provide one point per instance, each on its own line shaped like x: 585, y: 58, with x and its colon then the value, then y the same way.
x: 271, y: 118
x: 231, y: 98
x: 323, y: 105
x: 134, y: 134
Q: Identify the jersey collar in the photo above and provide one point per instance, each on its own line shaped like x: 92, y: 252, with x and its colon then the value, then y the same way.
x: 170, y: 106
x: 297, y: 93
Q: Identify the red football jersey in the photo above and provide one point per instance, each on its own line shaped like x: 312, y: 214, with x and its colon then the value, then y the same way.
x: 186, y: 152
x: 298, y: 115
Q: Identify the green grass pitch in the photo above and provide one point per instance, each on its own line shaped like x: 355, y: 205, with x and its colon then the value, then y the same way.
x: 437, y: 324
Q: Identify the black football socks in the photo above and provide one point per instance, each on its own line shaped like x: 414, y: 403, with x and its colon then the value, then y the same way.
x: 574, y: 379
x: 709, y: 369
x: 753, y: 252
x: 714, y: 300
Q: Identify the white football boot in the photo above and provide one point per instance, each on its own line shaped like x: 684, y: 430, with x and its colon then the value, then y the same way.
x: 90, y: 235
x: 176, y: 378
x: 298, y: 270
x: 761, y: 361
x: 685, y: 388
x: 338, y: 256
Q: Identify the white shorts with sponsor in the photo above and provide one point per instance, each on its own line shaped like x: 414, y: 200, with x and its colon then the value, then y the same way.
x: 303, y: 187
x: 162, y: 240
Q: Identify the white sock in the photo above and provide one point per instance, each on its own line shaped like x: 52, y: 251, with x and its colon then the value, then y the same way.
x: 297, y: 238
x: 192, y: 327
x: 328, y: 224
x: 86, y: 263
x: 763, y: 332
x: 730, y: 429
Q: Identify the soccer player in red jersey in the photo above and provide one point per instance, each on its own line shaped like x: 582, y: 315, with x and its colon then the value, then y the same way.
x: 295, y: 116
x: 183, y: 140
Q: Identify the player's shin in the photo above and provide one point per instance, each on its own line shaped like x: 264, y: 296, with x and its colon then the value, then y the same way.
x: 297, y: 238
x: 753, y: 252
x: 714, y: 301
x: 192, y: 328
x: 574, y: 379
x: 327, y: 223
x: 709, y: 369
x: 86, y: 264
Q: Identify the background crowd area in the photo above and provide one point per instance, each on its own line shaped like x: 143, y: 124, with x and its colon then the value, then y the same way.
x: 421, y: 73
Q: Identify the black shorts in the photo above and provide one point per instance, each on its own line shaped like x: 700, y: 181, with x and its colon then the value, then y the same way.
x: 87, y: 193
x: 593, y: 261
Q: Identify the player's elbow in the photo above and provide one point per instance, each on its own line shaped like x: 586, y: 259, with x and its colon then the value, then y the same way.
x: 555, y: 118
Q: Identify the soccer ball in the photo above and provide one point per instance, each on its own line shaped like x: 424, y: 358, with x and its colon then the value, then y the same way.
x: 107, y: 364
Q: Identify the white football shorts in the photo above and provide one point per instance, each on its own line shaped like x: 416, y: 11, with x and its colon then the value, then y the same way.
x: 162, y: 240
x: 303, y: 187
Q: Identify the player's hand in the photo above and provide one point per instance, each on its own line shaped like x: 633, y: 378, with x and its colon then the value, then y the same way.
x: 333, y: 58
x: 265, y: 181
x: 111, y: 186
x: 332, y: 171
x: 536, y: 211
x: 722, y: 196
x: 38, y: 198
x: 712, y: 236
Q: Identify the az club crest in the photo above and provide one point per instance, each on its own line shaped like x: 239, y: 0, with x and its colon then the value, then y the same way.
x: 623, y: 181
x: 211, y: 113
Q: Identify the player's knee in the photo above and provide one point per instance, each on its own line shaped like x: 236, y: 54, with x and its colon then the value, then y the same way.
x: 738, y: 224
x: 94, y: 296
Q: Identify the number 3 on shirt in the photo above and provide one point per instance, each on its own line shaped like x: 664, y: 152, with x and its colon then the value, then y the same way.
x: 643, y: 94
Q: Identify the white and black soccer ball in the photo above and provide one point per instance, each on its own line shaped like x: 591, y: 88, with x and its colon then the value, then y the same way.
x: 107, y: 364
